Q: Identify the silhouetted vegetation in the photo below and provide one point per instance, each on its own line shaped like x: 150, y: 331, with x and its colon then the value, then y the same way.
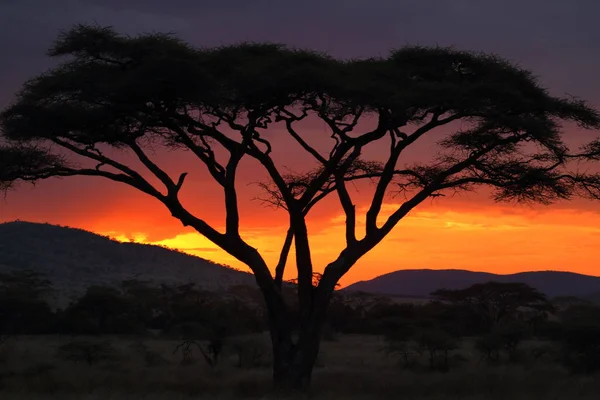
x: 187, y: 328
x: 502, y: 131
x: 496, y: 318
x: 580, y: 339
x: 24, y: 307
x: 495, y: 305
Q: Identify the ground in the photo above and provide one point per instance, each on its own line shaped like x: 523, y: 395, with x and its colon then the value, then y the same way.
x: 351, y: 367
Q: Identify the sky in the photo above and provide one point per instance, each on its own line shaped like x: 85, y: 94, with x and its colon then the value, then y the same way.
x: 557, y: 39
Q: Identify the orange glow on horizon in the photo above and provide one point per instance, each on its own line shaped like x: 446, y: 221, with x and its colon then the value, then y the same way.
x: 492, y: 238
x: 466, y: 231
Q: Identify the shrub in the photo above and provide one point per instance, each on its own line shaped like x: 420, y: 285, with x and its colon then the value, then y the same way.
x: 511, y: 335
x: 101, y: 310
x: 398, y: 342
x: 211, y: 350
x: 438, y: 345
x: 489, y: 346
x: 580, y: 339
x: 250, y: 352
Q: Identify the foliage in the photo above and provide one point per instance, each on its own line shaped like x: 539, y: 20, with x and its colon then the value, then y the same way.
x: 504, y: 337
x: 100, y: 310
x: 23, y: 303
x: 211, y: 351
x: 436, y: 342
x: 145, y: 301
x: 494, y: 303
x: 511, y: 335
x: 316, y: 279
x: 399, y: 342
x: 489, y: 346
x: 580, y: 340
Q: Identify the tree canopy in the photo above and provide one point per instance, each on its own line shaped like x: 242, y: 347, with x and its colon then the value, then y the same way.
x: 136, y: 92
x: 496, y: 302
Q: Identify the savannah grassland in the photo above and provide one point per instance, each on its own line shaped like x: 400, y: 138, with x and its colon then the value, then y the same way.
x: 350, y: 367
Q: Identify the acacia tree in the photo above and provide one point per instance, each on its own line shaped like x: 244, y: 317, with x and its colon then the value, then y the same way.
x: 496, y: 302
x: 135, y: 93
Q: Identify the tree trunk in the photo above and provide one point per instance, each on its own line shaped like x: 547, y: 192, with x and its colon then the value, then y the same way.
x: 293, y: 363
x: 294, y: 360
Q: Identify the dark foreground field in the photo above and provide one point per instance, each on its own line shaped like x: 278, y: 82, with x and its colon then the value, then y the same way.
x: 351, y: 367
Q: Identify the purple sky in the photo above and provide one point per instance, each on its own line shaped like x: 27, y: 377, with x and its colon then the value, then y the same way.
x: 558, y: 39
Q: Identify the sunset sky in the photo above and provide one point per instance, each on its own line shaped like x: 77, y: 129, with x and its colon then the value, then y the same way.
x: 559, y: 41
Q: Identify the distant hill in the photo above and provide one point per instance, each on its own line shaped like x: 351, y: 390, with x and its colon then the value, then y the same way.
x: 421, y: 282
x: 73, y: 259
x: 594, y: 298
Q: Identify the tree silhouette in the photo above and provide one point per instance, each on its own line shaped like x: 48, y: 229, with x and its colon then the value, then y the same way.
x: 316, y: 278
x: 496, y: 302
x: 136, y: 93
x: 580, y: 338
x: 101, y: 309
x: 24, y: 307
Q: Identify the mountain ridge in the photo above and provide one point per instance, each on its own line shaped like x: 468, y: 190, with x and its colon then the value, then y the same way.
x: 422, y: 282
x: 73, y: 258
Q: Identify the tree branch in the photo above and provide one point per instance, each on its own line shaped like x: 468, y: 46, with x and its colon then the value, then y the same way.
x: 232, y: 217
x: 389, y: 168
x: 136, y: 178
x: 349, y: 210
x: 206, y: 155
x: 285, y: 250
x: 289, y: 119
x: 154, y: 169
x: 438, y: 182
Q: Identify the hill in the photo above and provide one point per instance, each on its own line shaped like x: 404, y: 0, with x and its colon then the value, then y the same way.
x: 421, y: 282
x: 73, y: 259
x: 594, y: 298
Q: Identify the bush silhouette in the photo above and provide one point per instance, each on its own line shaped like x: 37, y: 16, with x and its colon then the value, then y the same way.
x: 249, y: 351
x: 580, y: 341
x: 399, y: 342
x: 437, y: 344
x: 101, y: 310
x: 489, y: 346
x: 24, y: 307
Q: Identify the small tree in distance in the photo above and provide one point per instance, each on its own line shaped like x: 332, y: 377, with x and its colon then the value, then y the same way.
x: 23, y: 303
x: 137, y: 93
x: 495, y: 303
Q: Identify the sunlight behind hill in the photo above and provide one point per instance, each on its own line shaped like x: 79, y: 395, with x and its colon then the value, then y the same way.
x: 74, y: 258
x: 491, y: 238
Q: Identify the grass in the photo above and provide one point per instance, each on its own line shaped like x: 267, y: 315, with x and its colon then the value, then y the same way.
x: 353, y: 367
